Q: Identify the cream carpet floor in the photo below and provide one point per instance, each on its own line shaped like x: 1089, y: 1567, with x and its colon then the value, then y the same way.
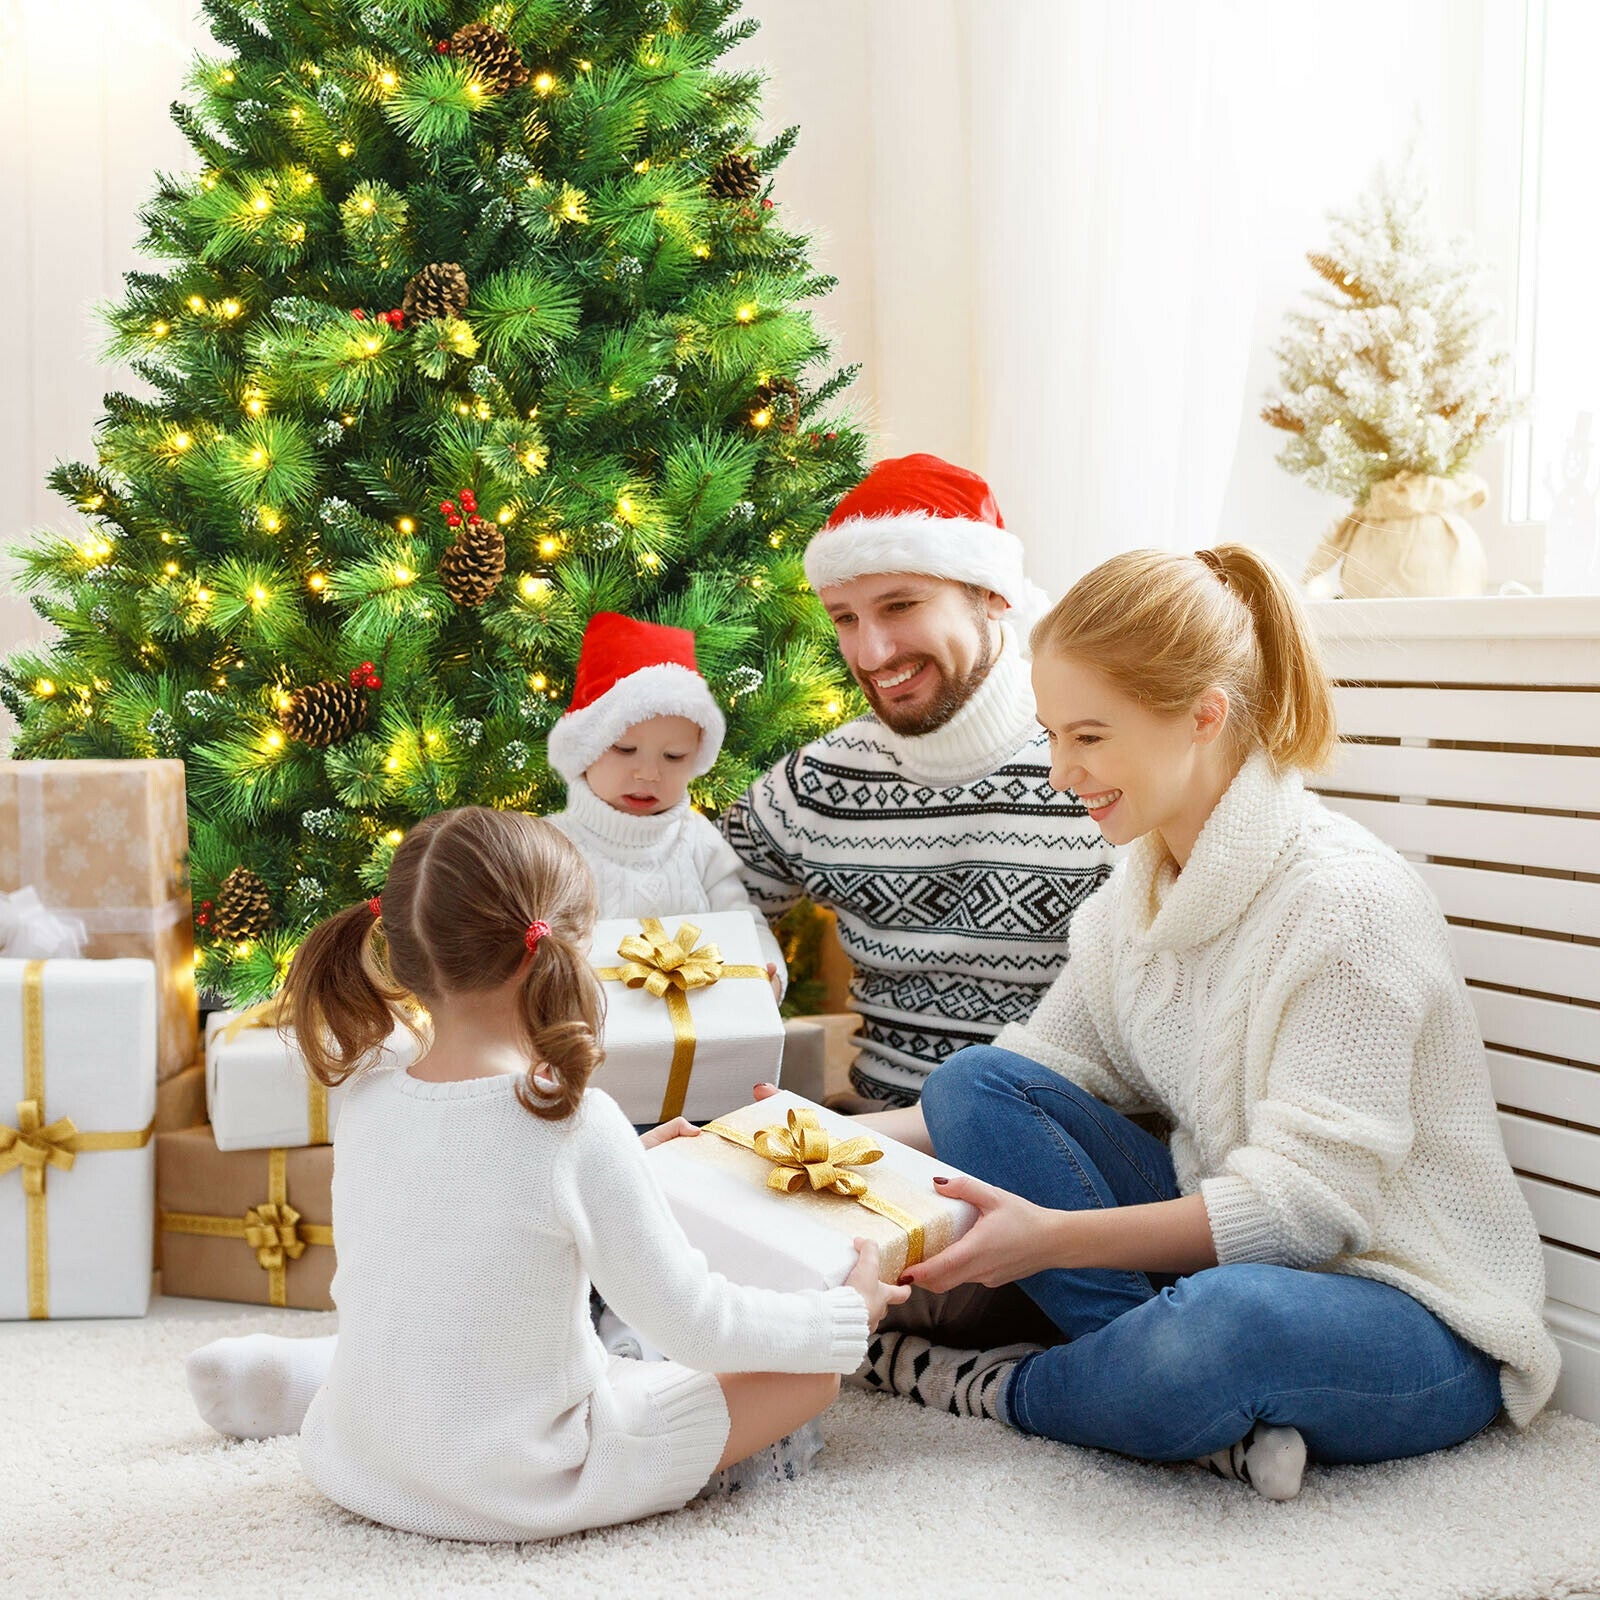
x: 109, y: 1484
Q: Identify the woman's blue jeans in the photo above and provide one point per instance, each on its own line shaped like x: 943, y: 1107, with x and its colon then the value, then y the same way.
x: 1169, y: 1369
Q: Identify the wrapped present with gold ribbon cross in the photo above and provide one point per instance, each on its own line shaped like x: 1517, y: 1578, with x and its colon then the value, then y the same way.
x: 77, y: 1112
x: 248, y: 1225
x: 258, y: 1092
x: 691, y: 1021
x: 106, y: 844
x: 775, y: 1195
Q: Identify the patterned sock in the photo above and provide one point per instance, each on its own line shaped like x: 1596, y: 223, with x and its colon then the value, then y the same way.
x: 258, y: 1386
x: 966, y: 1383
x: 1271, y: 1460
x: 790, y: 1458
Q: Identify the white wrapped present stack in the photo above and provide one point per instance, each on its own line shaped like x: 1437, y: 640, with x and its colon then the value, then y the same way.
x: 78, y: 1047
x: 691, y: 1021
x: 776, y: 1194
x: 259, y: 1095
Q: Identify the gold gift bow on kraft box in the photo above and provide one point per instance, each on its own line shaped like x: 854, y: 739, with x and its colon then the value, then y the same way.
x: 669, y: 968
x: 273, y: 1013
x: 273, y: 1229
x: 805, y: 1154
x: 35, y: 1145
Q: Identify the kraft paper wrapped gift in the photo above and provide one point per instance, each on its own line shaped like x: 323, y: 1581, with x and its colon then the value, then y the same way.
x: 726, y: 1194
x: 248, y: 1225
x: 258, y: 1091
x: 107, y: 842
x: 181, y: 1099
x: 77, y: 1111
x: 691, y: 1021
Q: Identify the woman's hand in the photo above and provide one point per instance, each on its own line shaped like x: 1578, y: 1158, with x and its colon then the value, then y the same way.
x: 1010, y: 1240
x: 678, y: 1128
x: 864, y: 1279
x: 776, y: 982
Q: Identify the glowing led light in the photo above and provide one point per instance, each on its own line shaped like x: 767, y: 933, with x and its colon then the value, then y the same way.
x: 625, y: 511
x: 406, y: 525
x: 366, y: 203
x: 642, y: 166
x: 270, y: 520
x: 505, y: 515
x: 545, y: 82
x: 196, y: 303
x: 387, y: 79
x: 586, y: 66
x: 258, y: 595
x: 404, y: 575
x: 475, y: 88
x: 346, y: 149
x: 160, y: 330
x: 317, y: 580
x: 181, y: 441
x: 227, y: 77
x: 171, y: 569
x: 391, y: 765
x: 703, y: 251
x: 283, y: 699
x: 832, y: 708
x: 530, y: 459
x: 370, y: 345
x: 538, y: 683
x: 261, y: 204
x: 231, y: 308
x: 394, y: 836
x: 549, y: 547
x: 44, y: 688
x: 746, y: 313
x: 258, y: 458
x: 650, y: 559
x: 534, y: 588
x: 761, y: 418
x: 775, y: 539
x: 275, y: 740
x: 308, y: 180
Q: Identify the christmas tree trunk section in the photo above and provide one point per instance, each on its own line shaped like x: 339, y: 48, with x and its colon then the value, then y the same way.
x: 107, y: 842
x: 77, y: 1170
x: 249, y: 1225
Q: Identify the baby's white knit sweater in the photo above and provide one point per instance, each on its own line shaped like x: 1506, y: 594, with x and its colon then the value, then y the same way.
x: 470, y: 1397
x: 1289, y: 1001
x: 658, y: 866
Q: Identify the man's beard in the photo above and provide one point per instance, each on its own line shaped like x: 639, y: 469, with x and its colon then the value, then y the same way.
x: 951, y: 695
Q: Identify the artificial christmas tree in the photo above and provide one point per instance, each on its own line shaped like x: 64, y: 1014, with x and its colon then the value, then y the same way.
x: 437, y: 250
x: 1388, y: 388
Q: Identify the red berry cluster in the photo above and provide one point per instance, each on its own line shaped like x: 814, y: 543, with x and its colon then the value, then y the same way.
x: 365, y: 676
x: 395, y: 318
x: 443, y: 47
x: 203, y: 916
x: 469, y: 504
x: 817, y: 438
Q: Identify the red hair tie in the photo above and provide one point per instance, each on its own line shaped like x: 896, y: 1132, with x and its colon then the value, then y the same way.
x: 375, y: 905
x: 537, y: 929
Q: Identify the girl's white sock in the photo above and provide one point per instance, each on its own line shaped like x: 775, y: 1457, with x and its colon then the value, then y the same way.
x: 260, y: 1385
x: 1271, y: 1460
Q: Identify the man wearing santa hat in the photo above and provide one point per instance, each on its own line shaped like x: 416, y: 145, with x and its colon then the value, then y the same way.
x: 930, y: 827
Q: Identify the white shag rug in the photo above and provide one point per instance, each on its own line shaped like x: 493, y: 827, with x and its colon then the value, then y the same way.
x: 109, y: 1484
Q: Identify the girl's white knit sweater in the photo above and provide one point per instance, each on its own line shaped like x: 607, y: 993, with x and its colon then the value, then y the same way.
x: 470, y: 1397
x: 658, y: 866
x: 1289, y: 1001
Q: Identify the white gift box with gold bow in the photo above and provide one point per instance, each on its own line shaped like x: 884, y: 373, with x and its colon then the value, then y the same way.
x: 78, y: 1046
x: 691, y: 1021
x: 259, y: 1095
x: 775, y: 1195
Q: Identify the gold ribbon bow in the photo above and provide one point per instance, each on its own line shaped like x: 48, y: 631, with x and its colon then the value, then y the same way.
x: 669, y: 967
x: 806, y: 1155
x: 273, y: 1012
x: 35, y: 1145
x: 272, y: 1229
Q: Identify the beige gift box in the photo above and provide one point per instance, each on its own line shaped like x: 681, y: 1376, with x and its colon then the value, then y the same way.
x: 77, y: 1108
x: 108, y: 842
x: 751, y: 1232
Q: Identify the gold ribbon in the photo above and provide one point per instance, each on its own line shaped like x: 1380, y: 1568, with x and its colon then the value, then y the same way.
x: 805, y: 1154
x: 668, y: 968
x: 273, y: 1012
x: 35, y: 1145
x: 272, y: 1229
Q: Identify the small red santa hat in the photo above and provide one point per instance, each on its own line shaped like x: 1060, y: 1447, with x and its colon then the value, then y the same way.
x: 920, y: 514
x: 628, y: 672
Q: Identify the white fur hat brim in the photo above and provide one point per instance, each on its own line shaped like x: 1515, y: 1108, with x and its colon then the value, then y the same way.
x: 580, y: 738
x: 931, y: 546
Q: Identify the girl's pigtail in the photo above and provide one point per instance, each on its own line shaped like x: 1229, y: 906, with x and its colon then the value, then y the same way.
x: 562, y: 1010
x: 342, y: 1001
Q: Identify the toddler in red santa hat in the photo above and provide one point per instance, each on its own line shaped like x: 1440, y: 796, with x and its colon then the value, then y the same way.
x: 641, y: 726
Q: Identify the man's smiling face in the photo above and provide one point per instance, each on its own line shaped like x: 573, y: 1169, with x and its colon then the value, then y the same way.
x: 918, y: 646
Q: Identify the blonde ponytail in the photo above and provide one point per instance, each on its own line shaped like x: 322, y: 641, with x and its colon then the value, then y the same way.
x: 1165, y: 628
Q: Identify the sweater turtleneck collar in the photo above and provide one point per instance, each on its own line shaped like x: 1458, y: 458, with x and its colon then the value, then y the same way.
x: 618, y: 830
x: 988, y: 730
x: 1256, y: 820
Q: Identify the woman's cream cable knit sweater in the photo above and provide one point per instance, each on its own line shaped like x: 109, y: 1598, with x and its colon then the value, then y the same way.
x: 1290, y: 1002
x: 470, y: 1397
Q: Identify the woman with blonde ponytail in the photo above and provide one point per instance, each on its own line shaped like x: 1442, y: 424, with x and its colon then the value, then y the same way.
x: 477, y: 1196
x: 1330, y: 1258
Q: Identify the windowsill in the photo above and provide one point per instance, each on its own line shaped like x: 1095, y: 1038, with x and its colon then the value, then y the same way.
x: 1535, y: 616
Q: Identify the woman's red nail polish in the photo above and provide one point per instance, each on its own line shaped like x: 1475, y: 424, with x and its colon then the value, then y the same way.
x: 941, y: 1180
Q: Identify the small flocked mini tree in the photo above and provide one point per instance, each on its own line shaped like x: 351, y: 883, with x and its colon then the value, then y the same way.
x: 476, y: 320
x: 1394, y: 369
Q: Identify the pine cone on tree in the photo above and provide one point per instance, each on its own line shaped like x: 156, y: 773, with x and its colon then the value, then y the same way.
x: 780, y: 396
x: 734, y: 178
x: 471, y: 569
x: 438, y: 290
x: 495, y: 59
x: 244, y: 907
x: 320, y: 714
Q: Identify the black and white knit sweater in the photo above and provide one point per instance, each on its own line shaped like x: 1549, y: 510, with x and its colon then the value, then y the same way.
x: 952, y: 865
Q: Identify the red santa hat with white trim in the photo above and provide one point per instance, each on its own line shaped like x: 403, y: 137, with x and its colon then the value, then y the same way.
x: 628, y: 672
x: 922, y: 515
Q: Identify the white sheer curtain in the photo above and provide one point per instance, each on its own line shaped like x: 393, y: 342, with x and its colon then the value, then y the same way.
x: 1085, y: 263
